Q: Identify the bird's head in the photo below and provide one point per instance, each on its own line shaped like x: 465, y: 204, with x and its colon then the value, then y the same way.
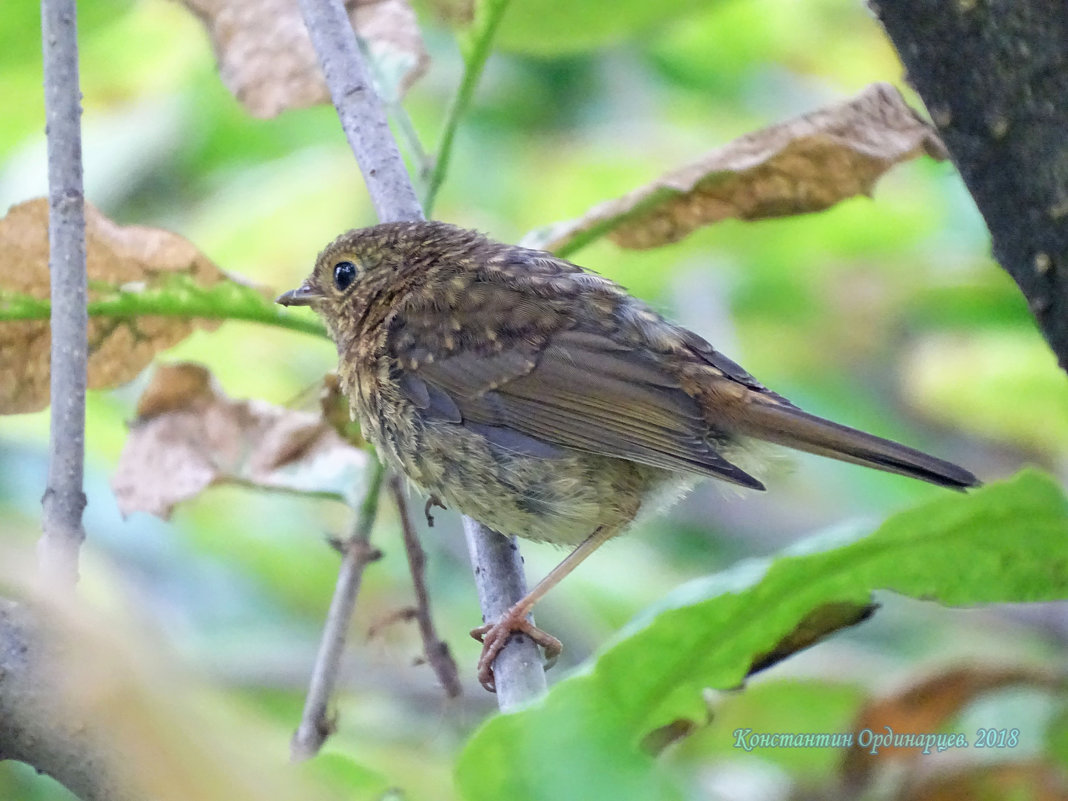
x: 349, y: 275
x: 359, y: 276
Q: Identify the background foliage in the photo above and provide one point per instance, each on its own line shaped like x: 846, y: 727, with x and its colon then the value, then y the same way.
x: 886, y: 313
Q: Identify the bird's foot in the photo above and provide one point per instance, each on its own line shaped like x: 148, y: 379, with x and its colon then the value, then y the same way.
x: 494, y: 636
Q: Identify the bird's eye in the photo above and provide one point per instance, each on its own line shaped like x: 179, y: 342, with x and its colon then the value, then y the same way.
x: 344, y: 275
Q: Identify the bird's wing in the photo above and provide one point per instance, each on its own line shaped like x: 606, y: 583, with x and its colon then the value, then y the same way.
x: 549, y: 384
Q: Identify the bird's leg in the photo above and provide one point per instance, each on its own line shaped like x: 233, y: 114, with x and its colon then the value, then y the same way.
x: 494, y: 636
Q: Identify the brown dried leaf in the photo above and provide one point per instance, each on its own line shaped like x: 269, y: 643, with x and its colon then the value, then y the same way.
x: 190, y: 435
x: 115, y: 256
x: 267, y: 60
x: 924, y: 707
x: 805, y: 164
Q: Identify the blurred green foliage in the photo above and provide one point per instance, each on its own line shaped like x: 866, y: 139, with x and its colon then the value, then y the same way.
x: 886, y: 313
x: 654, y: 673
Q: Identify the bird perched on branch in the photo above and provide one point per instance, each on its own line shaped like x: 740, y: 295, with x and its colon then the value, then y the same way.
x: 543, y: 400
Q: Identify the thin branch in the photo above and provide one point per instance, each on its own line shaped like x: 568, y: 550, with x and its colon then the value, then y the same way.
x: 435, y: 649
x: 64, y: 498
x: 518, y: 672
x: 997, y: 96
x: 363, y: 119
x: 315, y: 723
x: 476, y: 50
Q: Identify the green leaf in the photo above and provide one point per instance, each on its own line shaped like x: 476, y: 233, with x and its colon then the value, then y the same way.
x: 1002, y: 543
x: 525, y: 756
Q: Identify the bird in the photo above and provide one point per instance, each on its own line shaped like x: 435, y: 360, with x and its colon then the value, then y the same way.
x: 542, y: 399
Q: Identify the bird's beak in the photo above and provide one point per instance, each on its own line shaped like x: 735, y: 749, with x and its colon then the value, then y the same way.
x: 304, y: 295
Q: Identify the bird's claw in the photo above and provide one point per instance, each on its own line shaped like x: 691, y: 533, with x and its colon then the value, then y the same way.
x: 494, y: 636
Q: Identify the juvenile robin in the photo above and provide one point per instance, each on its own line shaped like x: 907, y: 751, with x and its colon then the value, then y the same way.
x: 543, y: 400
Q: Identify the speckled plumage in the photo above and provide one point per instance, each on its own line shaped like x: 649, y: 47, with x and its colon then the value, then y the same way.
x: 541, y: 399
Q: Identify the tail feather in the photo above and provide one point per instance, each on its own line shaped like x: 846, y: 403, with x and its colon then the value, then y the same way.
x: 789, y: 426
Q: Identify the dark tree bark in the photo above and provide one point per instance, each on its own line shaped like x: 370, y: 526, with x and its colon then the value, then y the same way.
x: 994, y: 76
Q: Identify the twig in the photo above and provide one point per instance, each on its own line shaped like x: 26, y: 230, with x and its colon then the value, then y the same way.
x: 518, y: 672
x: 475, y: 53
x: 315, y: 724
x: 435, y: 648
x: 363, y: 119
x: 64, y: 498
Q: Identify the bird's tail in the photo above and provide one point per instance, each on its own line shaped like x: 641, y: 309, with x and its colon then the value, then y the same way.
x: 789, y: 426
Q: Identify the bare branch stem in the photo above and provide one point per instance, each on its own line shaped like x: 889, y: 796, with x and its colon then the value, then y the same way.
x: 435, y: 649
x: 362, y: 114
x: 315, y: 723
x: 498, y: 588
x: 64, y: 497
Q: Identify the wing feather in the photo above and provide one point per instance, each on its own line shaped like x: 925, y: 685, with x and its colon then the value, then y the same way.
x: 578, y: 389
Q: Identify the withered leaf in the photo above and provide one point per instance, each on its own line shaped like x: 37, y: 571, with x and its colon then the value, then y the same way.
x: 925, y: 706
x: 189, y: 435
x: 126, y: 258
x: 805, y: 164
x: 267, y: 60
